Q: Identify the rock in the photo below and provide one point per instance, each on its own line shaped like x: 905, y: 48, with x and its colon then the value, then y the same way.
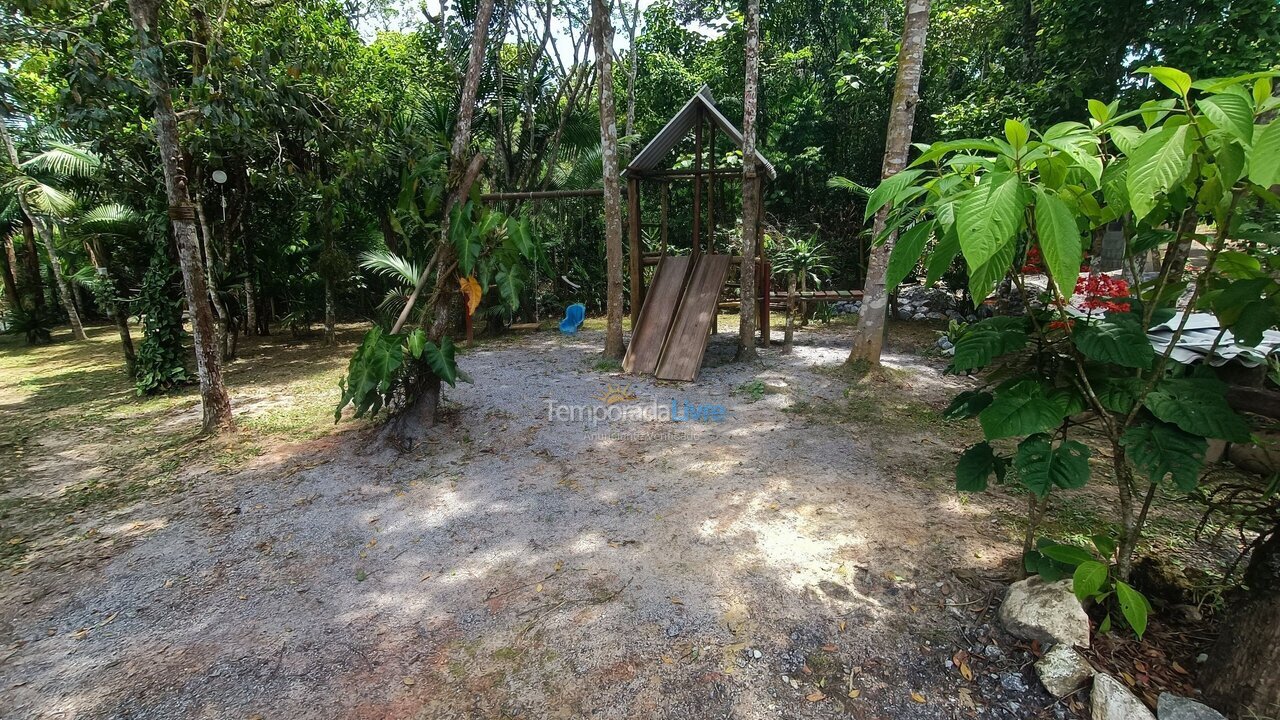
x: 1048, y: 612
x: 1113, y: 701
x: 918, y: 316
x: 1062, y: 670
x: 1013, y: 682
x: 904, y: 313
x: 1176, y: 707
x: 775, y: 386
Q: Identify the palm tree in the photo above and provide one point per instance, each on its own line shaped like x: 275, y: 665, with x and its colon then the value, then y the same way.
x: 100, y: 228
x: 44, y: 204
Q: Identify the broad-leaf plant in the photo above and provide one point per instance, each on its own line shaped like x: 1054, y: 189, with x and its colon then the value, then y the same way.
x: 1175, y: 175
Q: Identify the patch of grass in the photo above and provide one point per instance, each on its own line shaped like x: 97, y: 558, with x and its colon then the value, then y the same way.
x: 753, y: 391
x: 607, y: 365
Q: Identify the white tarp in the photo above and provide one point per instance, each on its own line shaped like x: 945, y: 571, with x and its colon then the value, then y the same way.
x: 1201, y: 336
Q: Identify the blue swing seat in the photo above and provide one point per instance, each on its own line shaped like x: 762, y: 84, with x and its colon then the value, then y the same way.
x: 573, y: 317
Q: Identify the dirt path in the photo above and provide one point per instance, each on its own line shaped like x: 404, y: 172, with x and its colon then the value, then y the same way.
x: 803, y: 557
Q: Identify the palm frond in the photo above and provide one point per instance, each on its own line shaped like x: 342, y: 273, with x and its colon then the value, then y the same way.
x: 43, y: 198
x: 65, y: 161
x: 844, y: 183
x: 111, y: 217
x: 391, y: 265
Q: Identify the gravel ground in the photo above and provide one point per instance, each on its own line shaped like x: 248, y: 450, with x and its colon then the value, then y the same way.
x: 804, y: 557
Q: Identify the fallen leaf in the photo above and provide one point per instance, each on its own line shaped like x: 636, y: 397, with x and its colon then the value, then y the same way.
x: 840, y: 625
x: 666, y: 660
x: 676, y: 601
x: 829, y: 647
x: 854, y: 694
x: 966, y: 700
x: 1179, y: 669
x: 816, y: 696
x: 917, y: 697
x: 965, y: 672
x: 409, y: 681
x: 539, y: 588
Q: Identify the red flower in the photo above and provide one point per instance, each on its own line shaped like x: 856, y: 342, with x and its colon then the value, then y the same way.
x: 1101, y: 291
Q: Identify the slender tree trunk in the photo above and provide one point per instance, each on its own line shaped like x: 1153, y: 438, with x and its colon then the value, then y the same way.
x: 603, y: 39
x: 1242, y: 677
x: 250, y: 307
x: 629, y: 127
x: 869, y: 340
x: 330, y: 316
x: 33, y: 283
x: 121, y: 317
x: 750, y: 189
x: 422, y: 412
x: 55, y: 269
x: 10, y: 266
x: 213, y: 394
x: 211, y: 275
x: 791, y: 313
x: 29, y: 223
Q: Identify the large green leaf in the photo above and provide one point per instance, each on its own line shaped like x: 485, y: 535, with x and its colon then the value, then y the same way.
x: 1117, y: 339
x: 906, y: 253
x: 1066, y: 554
x: 975, y: 467
x: 1041, y: 466
x: 1160, y: 162
x: 1134, y: 607
x: 1172, y: 78
x: 1059, y: 241
x: 989, y: 216
x: 967, y: 404
x: 1088, y: 579
x: 1160, y: 449
x: 888, y: 190
x: 983, y: 278
x: 1264, y: 156
x: 441, y: 360
x: 370, y: 373
x: 1199, y: 407
x: 942, y: 256
x: 1022, y: 409
x: 1231, y: 113
x: 987, y: 341
x: 1117, y: 394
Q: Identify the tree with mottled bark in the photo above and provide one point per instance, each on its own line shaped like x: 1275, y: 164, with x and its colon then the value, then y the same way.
x: 1242, y: 676
x: 182, y: 218
x: 464, y: 169
x: 869, y: 339
x: 603, y: 39
x: 750, y: 188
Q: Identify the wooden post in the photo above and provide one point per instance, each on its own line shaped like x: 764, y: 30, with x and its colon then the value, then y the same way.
x: 711, y: 191
x: 695, y: 244
x: 666, y: 197
x: 765, y: 284
x: 791, y: 311
x: 633, y: 234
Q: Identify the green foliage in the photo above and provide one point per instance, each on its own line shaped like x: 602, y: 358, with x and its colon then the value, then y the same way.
x: 35, y: 325
x: 1043, y: 466
x: 1160, y: 449
x: 371, y: 374
x: 1093, y: 579
x: 1117, y: 339
x: 161, y: 360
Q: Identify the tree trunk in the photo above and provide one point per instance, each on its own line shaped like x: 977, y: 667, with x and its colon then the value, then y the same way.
x: 10, y: 267
x: 250, y: 307
x: 1242, y: 677
x: 121, y: 316
x: 603, y: 40
x: 750, y: 190
x: 629, y: 127
x: 213, y: 394
x: 422, y: 411
x: 330, y: 333
x: 791, y: 313
x: 55, y: 268
x: 869, y: 340
x: 211, y: 275
x: 32, y: 265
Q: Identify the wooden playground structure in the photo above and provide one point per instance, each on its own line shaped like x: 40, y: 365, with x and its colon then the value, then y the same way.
x: 673, y: 317
x: 674, y: 314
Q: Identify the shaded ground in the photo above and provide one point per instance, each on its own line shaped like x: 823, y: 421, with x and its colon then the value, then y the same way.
x: 805, y: 557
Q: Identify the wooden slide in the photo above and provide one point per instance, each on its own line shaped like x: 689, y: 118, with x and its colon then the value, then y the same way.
x: 671, y: 333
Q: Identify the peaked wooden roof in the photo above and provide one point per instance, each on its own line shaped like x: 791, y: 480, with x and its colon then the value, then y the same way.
x: 679, y: 126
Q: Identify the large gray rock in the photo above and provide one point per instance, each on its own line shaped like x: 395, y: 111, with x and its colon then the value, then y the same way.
x: 1113, y: 701
x: 1062, y: 670
x: 1048, y: 612
x: 1176, y: 707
